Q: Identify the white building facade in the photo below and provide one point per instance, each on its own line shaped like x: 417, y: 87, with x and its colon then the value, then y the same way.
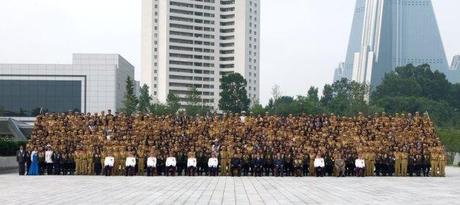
x: 192, y: 43
x: 92, y: 83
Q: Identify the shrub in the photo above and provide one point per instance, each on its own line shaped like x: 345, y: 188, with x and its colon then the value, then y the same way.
x: 9, y: 148
x: 450, y: 137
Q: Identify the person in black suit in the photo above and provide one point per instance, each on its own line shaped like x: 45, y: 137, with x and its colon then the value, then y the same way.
x: 279, y: 165
x: 258, y: 164
x: 28, y: 159
x: 236, y: 165
x: 57, y: 158
x: 21, y: 159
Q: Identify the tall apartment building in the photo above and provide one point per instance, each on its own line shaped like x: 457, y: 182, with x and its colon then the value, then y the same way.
x: 192, y: 43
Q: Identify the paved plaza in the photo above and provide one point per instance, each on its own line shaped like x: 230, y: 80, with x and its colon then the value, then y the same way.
x: 227, y: 190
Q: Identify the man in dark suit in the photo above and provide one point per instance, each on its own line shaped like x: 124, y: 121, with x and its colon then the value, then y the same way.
x: 236, y: 165
x: 21, y: 159
x: 258, y: 163
x: 279, y: 165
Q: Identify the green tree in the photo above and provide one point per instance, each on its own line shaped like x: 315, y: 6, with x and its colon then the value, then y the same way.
x: 257, y: 109
x: 328, y: 95
x: 144, y: 99
x: 313, y: 94
x: 130, y: 100
x: 193, y: 102
x: 418, y: 81
x: 346, y: 97
x: 419, y: 89
x: 172, y: 103
x: 159, y: 109
x: 233, y: 97
x: 286, y: 105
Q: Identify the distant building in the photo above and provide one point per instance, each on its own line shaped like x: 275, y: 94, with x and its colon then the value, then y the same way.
x: 339, y: 72
x: 455, y: 63
x: 189, y: 44
x: 92, y: 83
x: 390, y: 33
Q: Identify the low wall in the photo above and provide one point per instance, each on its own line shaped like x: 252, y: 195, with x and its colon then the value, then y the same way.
x: 8, y: 162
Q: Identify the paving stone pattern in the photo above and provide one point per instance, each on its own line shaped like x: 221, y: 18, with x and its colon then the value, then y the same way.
x: 227, y: 190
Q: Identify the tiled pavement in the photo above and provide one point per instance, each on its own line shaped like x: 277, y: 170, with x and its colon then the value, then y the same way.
x: 228, y: 190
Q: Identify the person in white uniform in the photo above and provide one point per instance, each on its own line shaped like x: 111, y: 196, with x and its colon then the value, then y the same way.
x: 171, y: 165
x: 130, y: 164
x: 319, y: 165
x: 360, y: 165
x: 49, y: 160
x: 109, y: 160
x: 213, y: 162
x: 191, y: 164
x: 151, y: 164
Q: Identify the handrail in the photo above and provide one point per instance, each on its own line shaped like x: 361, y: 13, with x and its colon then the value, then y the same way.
x: 17, y: 133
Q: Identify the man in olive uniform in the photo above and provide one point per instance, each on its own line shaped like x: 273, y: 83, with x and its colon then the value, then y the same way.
x: 122, y: 165
x: 90, y: 164
x: 404, y: 163
x: 442, y: 164
x: 141, y: 162
x: 224, y: 161
x: 371, y: 164
x: 118, y: 160
x: 434, y: 163
x: 398, y: 159
x: 78, y: 163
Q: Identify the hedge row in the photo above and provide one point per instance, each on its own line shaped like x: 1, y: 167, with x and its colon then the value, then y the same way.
x: 9, y: 148
x: 450, y: 137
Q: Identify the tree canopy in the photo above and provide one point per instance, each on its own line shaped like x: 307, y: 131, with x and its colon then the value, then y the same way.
x: 419, y: 89
x: 233, y: 97
x: 144, y: 99
x: 130, y: 100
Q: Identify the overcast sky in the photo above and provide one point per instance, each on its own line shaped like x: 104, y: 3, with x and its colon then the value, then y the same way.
x: 302, y: 41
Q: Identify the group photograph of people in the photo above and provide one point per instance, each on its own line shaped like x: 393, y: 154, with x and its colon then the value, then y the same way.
x: 115, y: 144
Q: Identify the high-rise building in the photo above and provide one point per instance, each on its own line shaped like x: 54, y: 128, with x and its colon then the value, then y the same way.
x: 455, y: 63
x: 192, y: 43
x: 339, y: 72
x: 386, y: 34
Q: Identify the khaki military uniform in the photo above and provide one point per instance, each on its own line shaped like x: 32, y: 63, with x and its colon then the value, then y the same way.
x: 404, y: 163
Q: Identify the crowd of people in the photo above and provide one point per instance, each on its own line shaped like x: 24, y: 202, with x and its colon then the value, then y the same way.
x: 233, y: 145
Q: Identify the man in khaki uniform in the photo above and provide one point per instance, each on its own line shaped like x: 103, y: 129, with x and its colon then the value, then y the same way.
x: 90, y: 163
x: 83, y: 162
x: 224, y: 161
x: 78, y: 166
x: 141, y: 156
x: 404, y: 163
x: 442, y: 164
x: 118, y: 161
x: 398, y: 163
